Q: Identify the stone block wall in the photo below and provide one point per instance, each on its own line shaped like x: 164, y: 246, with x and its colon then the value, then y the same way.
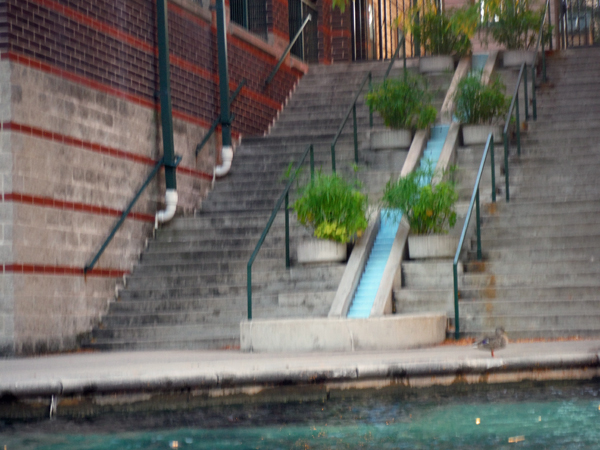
x: 79, y: 133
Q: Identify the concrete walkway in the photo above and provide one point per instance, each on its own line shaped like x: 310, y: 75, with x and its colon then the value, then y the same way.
x: 98, y: 373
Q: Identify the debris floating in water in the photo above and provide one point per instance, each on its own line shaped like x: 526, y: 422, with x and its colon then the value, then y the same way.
x: 515, y: 439
x: 477, y: 421
x: 174, y: 444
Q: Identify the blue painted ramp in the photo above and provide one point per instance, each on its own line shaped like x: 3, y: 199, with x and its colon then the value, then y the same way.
x: 364, y: 297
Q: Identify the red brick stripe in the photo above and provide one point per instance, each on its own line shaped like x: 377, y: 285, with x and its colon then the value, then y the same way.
x: 61, y: 270
x: 340, y: 33
x: 97, y: 148
x: 144, y: 46
x: 48, y: 202
x: 138, y: 100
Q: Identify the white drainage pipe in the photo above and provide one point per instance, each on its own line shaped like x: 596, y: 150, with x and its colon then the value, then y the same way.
x: 167, y: 214
x: 227, y: 156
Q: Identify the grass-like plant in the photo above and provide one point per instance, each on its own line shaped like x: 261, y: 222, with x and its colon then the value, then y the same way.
x: 403, y: 102
x: 512, y: 23
x: 429, y: 209
x: 333, y: 208
x: 477, y: 103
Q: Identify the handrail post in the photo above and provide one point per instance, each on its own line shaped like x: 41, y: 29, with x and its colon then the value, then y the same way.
x: 533, y: 94
x: 478, y: 218
x: 287, y: 231
x: 525, y: 93
x: 518, y: 126
x: 249, y: 289
x: 550, y: 22
x: 355, y: 134
x: 544, y: 79
x: 506, y: 165
x: 370, y: 111
x: 333, y: 158
x: 456, y: 319
x: 404, y: 56
x: 312, y: 163
x: 493, y: 170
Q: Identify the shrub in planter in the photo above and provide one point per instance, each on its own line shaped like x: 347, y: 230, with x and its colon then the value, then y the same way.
x: 429, y: 209
x: 440, y: 32
x: 403, y: 103
x: 333, y: 208
x: 476, y: 103
x: 512, y: 23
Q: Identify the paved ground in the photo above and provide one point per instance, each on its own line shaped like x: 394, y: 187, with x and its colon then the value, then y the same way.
x: 160, y: 370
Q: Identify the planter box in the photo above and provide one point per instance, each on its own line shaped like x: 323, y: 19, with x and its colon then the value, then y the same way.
x: 432, y: 246
x: 514, y: 58
x: 387, y: 139
x: 315, y: 250
x: 436, y: 63
x: 478, y: 134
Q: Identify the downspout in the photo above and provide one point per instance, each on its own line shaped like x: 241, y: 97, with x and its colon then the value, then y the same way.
x: 227, y: 149
x: 166, y: 115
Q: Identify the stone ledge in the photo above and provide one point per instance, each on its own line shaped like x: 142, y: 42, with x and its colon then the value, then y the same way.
x: 341, y: 334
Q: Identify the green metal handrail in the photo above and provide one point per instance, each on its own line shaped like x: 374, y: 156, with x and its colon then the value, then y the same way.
x: 287, y: 50
x: 401, y: 43
x: 515, y: 101
x: 489, y: 148
x: 537, y: 48
x: 283, y: 197
x: 352, y: 110
x: 127, y: 210
x: 214, y: 125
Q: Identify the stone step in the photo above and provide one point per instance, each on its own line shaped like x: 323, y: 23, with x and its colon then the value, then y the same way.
x: 539, y: 232
x: 540, y: 292
x: 530, y: 307
x: 547, y: 325
x: 172, y: 257
x: 562, y: 268
x: 209, y: 304
x: 587, y: 252
x: 201, y: 318
x: 423, y: 300
x: 221, y: 289
x: 149, y: 281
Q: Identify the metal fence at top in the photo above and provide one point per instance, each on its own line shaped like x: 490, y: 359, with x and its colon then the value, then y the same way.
x: 251, y: 14
x: 306, y: 48
x: 579, y: 23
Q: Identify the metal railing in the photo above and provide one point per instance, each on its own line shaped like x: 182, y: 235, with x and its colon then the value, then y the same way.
x: 214, y: 125
x: 287, y: 50
x: 126, y: 212
x: 533, y: 66
x: 352, y: 110
x: 283, y: 198
x: 489, y: 149
x: 401, y: 43
x: 515, y: 101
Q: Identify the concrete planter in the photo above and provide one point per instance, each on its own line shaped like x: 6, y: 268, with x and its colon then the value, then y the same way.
x: 432, y: 246
x: 313, y: 250
x: 387, y: 139
x: 478, y: 134
x: 440, y: 63
x: 514, y: 58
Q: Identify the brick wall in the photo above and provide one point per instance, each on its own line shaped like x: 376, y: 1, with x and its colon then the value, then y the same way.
x: 80, y: 132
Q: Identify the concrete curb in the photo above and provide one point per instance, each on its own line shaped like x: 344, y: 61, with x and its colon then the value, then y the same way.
x: 319, y: 373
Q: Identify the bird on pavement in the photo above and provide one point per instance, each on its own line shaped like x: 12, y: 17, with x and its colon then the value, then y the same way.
x: 495, y: 342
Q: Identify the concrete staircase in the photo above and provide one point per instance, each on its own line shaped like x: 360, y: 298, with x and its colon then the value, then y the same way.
x: 189, y: 290
x: 541, y: 271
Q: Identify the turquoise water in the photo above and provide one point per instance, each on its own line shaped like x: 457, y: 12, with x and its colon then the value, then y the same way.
x: 533, y: 417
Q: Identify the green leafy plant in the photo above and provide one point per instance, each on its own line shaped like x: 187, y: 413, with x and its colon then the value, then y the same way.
x: 333, y: 208
x: 429, y: 209
x: 440, y: 32
x: 512, y: 23
x: 403, y: 103
x: 478, y: 103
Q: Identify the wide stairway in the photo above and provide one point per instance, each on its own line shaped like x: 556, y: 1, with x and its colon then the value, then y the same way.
x: 189, y: 289
x: 541, y: 271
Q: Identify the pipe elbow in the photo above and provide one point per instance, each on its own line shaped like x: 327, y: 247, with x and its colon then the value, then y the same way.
x: 227, y: 156
x: 168, y: 213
